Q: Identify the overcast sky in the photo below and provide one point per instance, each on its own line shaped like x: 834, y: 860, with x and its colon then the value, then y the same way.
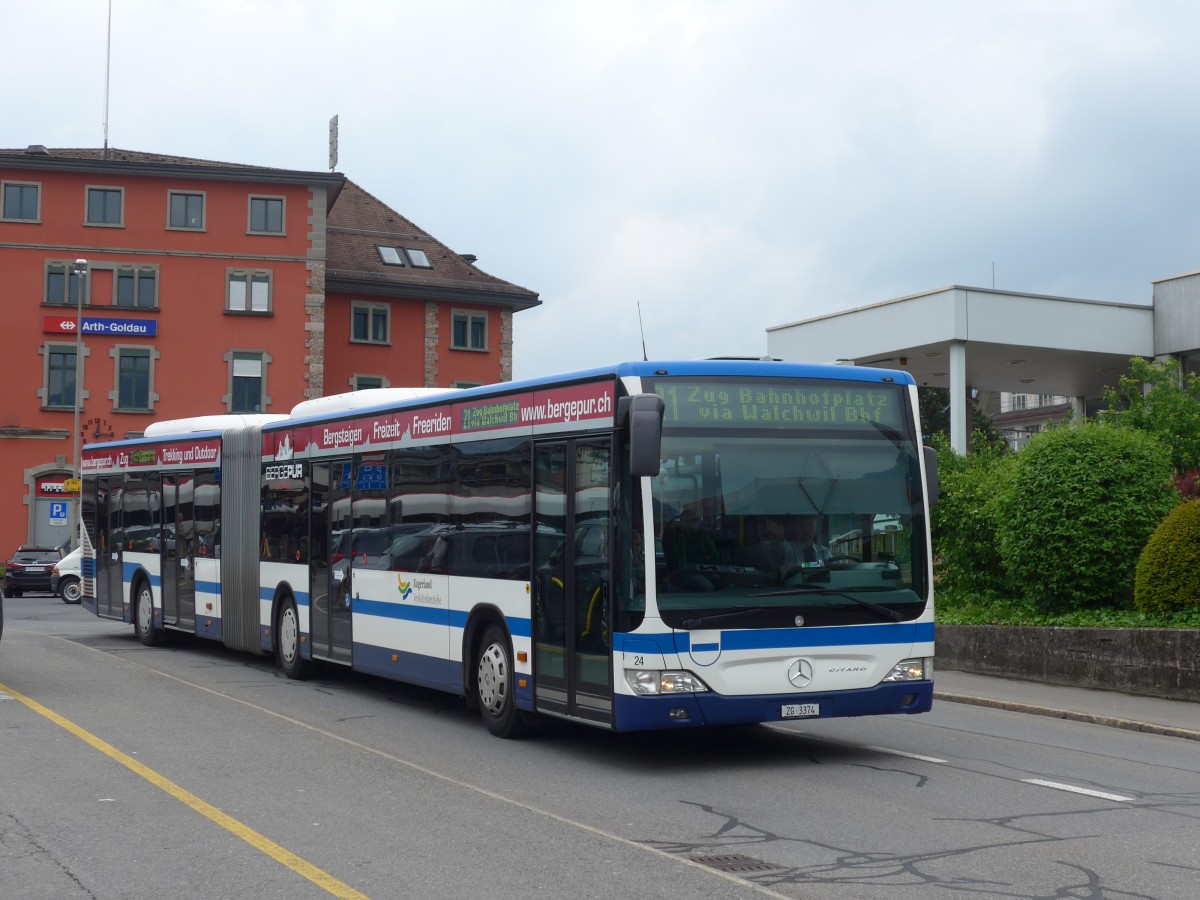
x: 728, y: 165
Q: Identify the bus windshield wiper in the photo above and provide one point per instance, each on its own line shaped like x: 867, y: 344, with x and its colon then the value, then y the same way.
x: 885, y: 611
x: 892, y: 435
x: 701, y: 621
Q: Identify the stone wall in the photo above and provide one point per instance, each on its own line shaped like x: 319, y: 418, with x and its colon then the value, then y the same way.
x: 1155, y: 662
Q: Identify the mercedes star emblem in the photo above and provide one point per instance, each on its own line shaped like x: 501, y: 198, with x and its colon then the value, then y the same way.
x: 800, y: 673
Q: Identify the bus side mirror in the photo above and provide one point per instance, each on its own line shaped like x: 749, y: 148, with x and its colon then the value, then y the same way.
x: 643, y: 415
x: 931, y: 475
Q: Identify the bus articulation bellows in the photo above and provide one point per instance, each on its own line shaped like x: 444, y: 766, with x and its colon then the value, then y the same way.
x: 648, y: 546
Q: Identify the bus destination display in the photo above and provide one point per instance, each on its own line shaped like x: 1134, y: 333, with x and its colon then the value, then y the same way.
x: 779, y: 405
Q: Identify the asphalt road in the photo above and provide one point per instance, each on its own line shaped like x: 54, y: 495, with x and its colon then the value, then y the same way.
x: 191, y: 771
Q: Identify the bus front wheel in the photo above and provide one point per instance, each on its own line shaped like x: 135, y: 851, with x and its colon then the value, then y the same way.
x: 494, y: 685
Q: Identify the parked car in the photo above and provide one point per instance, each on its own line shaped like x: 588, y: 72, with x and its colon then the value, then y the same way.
x: 29, y: 570
x: 65, y: 577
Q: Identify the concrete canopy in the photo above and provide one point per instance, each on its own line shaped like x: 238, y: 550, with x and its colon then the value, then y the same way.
x: 965, y: 337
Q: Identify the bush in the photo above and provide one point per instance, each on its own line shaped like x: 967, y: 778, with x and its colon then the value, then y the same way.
x: 966, y: 555
x: 1168, y: 571
x: 1188, y: 484
x: 1076, y: 510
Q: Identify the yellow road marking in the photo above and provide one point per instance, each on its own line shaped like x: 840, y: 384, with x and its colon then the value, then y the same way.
x: 628, y: 843
x: 284, y: 857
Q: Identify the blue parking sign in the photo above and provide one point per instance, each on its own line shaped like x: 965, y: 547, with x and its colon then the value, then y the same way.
x: 58, y: 512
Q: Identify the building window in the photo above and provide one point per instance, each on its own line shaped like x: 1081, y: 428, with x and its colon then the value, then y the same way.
x: 366, y: 382
x: 134, y: 370
x: 137, y: 288
x: 21, y: 202
x: 369, y: 323
x: 105, y: 206
x: 62, y: 285
x: 60, y: 376
x: 247, y: 382
x: 185, y: 211
x: 248, y: 292
x: 266, y: 215
x: 468, y: 331
x: 404, y: 256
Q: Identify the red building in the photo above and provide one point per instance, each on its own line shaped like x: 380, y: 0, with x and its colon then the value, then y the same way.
x: 210, y: 288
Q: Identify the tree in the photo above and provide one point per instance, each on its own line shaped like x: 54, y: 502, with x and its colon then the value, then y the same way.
x: 1159, y: 398
x: 934, y: 407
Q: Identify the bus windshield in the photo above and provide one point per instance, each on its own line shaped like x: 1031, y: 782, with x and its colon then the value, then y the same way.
x: 776, y: 511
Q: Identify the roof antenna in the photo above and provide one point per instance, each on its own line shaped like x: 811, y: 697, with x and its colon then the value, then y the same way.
x: 107, y: 63
x: 333, y: 136
x: 642, y: 328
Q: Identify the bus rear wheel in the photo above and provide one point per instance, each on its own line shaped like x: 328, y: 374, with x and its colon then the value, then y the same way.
x: 287, y: 641
x: 495, y: 685
x: 143, y: 616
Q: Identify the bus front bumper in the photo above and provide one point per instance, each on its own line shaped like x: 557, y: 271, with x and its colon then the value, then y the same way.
x: 646, y: 713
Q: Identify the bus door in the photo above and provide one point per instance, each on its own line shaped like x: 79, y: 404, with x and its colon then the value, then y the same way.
x: 178, y: 551
x: 329, y: 530
x: 109, y: 543
x: 571, y: 623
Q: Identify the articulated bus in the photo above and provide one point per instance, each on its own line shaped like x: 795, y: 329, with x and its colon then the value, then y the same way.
x: 609, y: 546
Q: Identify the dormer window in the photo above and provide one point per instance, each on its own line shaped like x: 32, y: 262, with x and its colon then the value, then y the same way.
x: 404, y: 256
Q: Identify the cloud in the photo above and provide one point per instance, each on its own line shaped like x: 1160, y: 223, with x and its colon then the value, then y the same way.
x: 728, y: 166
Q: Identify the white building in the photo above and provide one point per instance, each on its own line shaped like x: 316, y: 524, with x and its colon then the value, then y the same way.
x: 1043, y: 356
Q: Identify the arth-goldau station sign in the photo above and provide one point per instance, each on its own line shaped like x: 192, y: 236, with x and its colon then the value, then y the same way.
x: 97, y: 325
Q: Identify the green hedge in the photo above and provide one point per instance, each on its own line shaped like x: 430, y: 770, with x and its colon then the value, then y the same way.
x: 1075, y: 511
x: 966, y: 553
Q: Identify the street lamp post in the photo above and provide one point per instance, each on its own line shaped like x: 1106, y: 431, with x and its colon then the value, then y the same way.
x: 81, y: 269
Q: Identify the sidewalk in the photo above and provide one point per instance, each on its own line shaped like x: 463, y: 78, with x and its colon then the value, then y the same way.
x: 1175, y: 718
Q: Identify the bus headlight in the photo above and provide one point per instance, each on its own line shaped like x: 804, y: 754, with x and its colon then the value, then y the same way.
x: 657, y: 682
x: 920, y: 669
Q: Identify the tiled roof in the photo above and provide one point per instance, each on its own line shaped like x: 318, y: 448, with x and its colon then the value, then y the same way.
x: 360, y: 223
x: 36, y: 152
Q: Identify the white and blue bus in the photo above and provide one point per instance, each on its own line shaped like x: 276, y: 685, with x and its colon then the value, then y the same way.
x: 648, y: 546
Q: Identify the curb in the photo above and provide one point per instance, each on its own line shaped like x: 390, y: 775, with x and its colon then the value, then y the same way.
x: 1092, y: 718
